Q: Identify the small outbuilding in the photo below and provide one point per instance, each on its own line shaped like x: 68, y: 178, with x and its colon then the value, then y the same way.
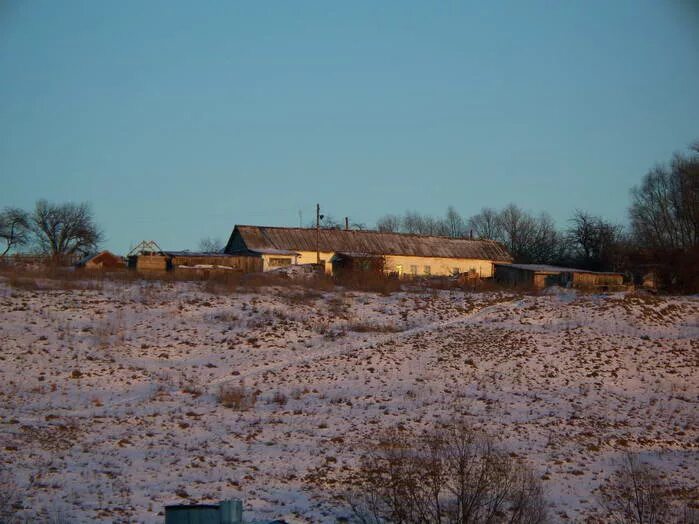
x: 102, y: 260
x: 188, y: 260
x: 542, y: 275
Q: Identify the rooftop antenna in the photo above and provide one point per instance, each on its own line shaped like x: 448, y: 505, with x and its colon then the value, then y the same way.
x: 300, y: 218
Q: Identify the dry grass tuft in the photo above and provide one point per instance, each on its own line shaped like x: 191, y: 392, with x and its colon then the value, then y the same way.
x: 239, y: 398
x: 374, y: 327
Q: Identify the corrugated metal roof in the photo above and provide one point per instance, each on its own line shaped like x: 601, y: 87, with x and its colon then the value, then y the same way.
x: 265, y: 251
x: 256, y: 238
x: 186, y: 253
x: 341, y: 254
x: 545, y: 268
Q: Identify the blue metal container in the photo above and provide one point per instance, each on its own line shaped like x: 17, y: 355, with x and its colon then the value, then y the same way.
x: 231, y: 511
x: 226, y: 512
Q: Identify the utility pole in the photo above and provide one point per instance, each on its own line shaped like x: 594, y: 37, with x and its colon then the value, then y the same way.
x: 318, y: 234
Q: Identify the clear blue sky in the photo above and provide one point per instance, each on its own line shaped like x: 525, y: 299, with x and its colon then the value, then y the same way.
x: 177, y: 120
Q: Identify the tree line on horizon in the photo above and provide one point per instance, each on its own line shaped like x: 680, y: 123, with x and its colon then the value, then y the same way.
x: 588, y: 240
x: 662, y: 234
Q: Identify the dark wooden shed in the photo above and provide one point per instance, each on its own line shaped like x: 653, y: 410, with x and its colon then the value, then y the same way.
x: 542, y: 275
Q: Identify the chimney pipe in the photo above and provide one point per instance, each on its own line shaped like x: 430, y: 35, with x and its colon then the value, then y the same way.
x: 346, y: 223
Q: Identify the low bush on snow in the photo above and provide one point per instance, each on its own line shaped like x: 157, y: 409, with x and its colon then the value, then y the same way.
x: 374, y: 327
x: 239, y: 397
x: 636, y: 493
x: 448, y: 474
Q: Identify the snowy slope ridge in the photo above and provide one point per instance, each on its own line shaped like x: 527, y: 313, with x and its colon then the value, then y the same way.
x: 109, y: 403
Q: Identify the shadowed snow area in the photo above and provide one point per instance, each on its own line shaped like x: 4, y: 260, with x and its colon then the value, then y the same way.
x: 110, y: 405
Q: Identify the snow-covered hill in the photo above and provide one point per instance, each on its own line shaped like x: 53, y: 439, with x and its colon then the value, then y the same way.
x: 109, y: 403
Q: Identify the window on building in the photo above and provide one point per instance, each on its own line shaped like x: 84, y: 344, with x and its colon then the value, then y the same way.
x: 428, y: 270
x: 413, y: 270
x: 279, y: 262
x: 399, y: 269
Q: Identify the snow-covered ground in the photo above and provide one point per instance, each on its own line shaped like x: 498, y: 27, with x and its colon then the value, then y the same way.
x: 109, y: 408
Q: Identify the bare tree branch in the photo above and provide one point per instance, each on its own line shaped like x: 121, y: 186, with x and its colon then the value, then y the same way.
x: 14, y: 228
x: 64, y: 229
x: 450, y: 474
x: 211, y: 245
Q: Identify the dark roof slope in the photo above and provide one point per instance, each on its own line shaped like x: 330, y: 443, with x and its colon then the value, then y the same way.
x: 545, y: 268
x: 368, y: 242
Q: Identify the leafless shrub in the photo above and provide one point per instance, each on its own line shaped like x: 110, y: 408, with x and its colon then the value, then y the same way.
x: 10, y: 497
x: 110, y: 330
x: 296, y: 394
x: 192, y: 389
x: 337, y: 305
x: 148, y: 293
x: 279, y: 398
x: 222, y: 283
x: 44, y: 276
x: 372, y: 281
x: 228, y: 317
x: 303, y: 297
x: 374, y: 327
x: 24, y: 283
x: 637, y: 494
x: 253, y: 282
x: 190, y: 386
x: 239, y: 397
x: 450, y: 474
x: 445, y: 283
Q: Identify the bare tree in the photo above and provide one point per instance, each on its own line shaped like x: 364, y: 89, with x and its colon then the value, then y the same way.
x: 211, y: 245
x: 548, y: 245
x: 665, y: 208
x: 450, y: 474
x: 412, y: 222
x: 486, y: 224
x: 592, y: 240
x: 432, y: 226
x: 330, y: 222
x: 454, y: 224
x: 664, y: 215
x: 64, y: 229
x: 327, y: 221
x: 14, y: 228
x: 389, y: 224
x: 517, y: 230
x: 635, y: 494
x: 530, y: 239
